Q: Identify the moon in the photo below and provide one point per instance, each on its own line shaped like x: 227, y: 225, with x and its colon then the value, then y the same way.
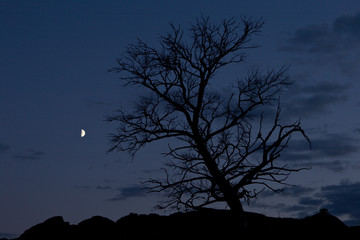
x: 82, y: 134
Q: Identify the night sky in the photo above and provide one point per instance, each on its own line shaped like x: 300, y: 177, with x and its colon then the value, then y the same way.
x: 54, y: 58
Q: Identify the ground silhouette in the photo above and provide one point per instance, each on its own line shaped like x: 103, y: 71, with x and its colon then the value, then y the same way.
x: 205, y: 224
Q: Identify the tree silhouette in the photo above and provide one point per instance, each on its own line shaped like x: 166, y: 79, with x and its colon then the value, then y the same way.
x: 220, y: 155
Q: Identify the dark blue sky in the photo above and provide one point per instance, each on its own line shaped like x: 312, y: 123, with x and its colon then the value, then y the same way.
x: 54, y: 57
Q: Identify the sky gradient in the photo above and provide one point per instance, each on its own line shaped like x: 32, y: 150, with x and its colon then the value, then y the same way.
x: 54, y: 57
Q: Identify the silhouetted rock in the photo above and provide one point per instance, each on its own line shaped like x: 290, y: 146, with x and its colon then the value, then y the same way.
x: 95, y: 228
x: 354, y: 231
x: 53, y: 228
x: 135, y: 226
x: 204, y: 224
x: 324, y: 223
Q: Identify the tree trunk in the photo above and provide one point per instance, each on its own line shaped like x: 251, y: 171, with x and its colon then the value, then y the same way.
x: 234, y: 203
x: 237, y: 210
x: 230, y: 194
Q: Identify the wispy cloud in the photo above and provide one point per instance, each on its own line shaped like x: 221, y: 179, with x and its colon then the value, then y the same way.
x: 129, y: 192
x: 302, y: 198
x: 291, y: 191
x: 341, y: 35
x: 310, y: 201
x: 4, y: 148
x: 343, y: 199
x: 98, y: 104
x: 326, y: 67
x: 313, y: 99
x: 8, y: 235
x: 29, y: 155
x: 294, y: 210
x: 330, y: 151
x: 103, y: 187
x: 336, y: 44
x: 82, y: 187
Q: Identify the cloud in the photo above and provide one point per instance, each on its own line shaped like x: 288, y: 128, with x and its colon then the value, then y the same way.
x: 348, y: 24
x: 103, y: 187
x: 322, y: 86
x: 313, y: 100
x: 82, y: 187
x: 4, y: 148
x: 334, y: 145
x: 303, y: 203
x: 30, y: 155
x: 309, y: 39
x: 343, y: 199
x: 335, y: 45
x: 326, y: 67
x: 329, y: 151
x: 335, y: 166
x: 310, y: 201
x: 292, y: 191
x: 293, y: 210
x: 129, y: 192
x: 7, y: 235
x: 98, y: 104
x: 342, y: 35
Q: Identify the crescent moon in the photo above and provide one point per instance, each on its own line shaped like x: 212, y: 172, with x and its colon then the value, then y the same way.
x: 82, y: 134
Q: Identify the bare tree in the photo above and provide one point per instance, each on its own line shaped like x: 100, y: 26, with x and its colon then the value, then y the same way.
x: 219, y: 156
